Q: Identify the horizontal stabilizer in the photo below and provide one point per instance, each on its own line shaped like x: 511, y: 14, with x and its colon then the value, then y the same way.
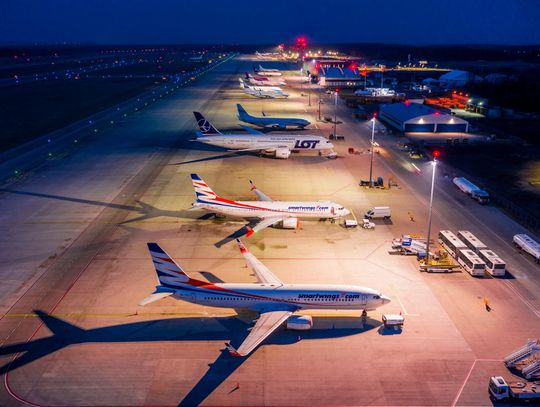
x: 155, y: 297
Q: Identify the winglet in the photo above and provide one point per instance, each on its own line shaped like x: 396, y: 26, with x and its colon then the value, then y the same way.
x: 232, y: 350
x: 249, y: 231
x: 241, y: 246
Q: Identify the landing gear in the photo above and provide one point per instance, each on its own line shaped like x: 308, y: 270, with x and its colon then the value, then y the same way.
x: 364, y: 316
x: 332, y: 220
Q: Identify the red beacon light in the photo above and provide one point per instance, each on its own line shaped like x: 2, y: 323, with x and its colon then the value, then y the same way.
x: 436, y: 153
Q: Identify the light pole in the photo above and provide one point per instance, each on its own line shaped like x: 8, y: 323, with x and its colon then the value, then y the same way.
x: 309, y: 93
x: 319, y: 106
x: 434, y: 164
x: 372, y: 150
x: 335, y: 112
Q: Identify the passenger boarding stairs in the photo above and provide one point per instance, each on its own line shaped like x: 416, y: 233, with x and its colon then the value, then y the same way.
x: 532, y: 370
x: 526, y: 359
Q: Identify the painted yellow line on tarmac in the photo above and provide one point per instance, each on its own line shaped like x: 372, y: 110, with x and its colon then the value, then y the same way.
x: 154, y: 314
x: 126, y: 314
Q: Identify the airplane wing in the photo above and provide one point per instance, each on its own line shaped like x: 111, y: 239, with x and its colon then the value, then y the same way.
x: 263, y: 274
x: 267, y: 323
x: 251, y: 130
x: 263, y: 224
x: 261, y: 195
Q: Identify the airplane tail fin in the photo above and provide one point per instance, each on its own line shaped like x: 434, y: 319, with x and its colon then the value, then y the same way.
x: 203, y: 192
x: 241, y: 111
x: 170, y: 274
x: 207, y: 129
x: 242, y: 83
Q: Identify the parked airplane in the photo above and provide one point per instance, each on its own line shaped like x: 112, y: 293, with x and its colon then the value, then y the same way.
x: 265, y: 55
x: 263, y: 91
x: 263, y: 81
x: 275, y: 301
x: 267, y: 72
x: 268, y: 212
x: 279, y: 122
x: 198, y: 58
x: 278, y: 145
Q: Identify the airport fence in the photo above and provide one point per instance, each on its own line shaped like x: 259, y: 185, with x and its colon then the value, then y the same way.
x: 519, y: 213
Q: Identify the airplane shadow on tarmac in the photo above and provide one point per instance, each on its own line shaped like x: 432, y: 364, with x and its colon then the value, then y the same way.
x: 231, y: 329
x: 147, y: 211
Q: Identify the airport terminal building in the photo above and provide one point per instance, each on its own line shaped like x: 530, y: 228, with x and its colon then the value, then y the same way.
x: 417, y: 118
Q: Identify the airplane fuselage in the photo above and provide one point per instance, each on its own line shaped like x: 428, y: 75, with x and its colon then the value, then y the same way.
x: 264, y: 209
x: 280, y: 122
x: 246, y: 141
x: 259, y: 297
x: 268, y: 73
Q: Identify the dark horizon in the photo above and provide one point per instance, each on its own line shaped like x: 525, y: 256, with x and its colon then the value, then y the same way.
x: 130, y: 22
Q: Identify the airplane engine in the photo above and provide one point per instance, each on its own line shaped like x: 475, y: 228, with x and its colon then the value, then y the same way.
x: 299, y: 322
x: 283, y: 153
x: 289, y: 223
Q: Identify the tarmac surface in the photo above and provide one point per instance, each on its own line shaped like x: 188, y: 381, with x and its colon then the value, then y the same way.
x: 75, y: 265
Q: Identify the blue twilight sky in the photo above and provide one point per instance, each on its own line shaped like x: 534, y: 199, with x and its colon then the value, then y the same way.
x: 272, y: 21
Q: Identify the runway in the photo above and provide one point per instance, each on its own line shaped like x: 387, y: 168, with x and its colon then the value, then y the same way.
x: 75, y: 266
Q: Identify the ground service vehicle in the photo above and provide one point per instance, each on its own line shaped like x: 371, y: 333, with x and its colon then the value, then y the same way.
x: 528, y: 245
x: 471, y: 241
x: 494, y: 264
x: 500, y: 390
x: 451, y: 243
x: 470, y: 189
x: 381, y: 212
x: 471, y: 262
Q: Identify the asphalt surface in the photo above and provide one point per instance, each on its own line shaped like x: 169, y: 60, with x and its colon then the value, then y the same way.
x: 75, y: 265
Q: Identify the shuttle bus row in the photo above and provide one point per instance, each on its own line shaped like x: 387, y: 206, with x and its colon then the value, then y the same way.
x: 471, y: 254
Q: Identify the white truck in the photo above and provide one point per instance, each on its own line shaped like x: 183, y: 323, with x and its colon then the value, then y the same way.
x: 472, y: 190
x: 381, y: 212
x: 528, y: 245
x: 501, y: 390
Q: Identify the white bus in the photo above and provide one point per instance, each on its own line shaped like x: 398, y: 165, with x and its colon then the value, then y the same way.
x: 494, y: 264
x: 470, y: 261
x: 450, y: 242
x: 471, y: 241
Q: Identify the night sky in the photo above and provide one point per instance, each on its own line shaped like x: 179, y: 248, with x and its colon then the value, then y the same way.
x: 269, y: 21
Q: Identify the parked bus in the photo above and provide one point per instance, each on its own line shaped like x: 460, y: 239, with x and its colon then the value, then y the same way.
x: 450, y: 242
x: 494, y: 264
x: 470, y: 261
x: 471, y: 241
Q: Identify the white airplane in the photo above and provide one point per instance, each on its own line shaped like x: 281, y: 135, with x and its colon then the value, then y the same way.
x: 263, y: 55
x: 263, y: 81
x: 263, y: 91
x: 278, y: 145
x: 277, y: 122
x: 267, y: 72
x: 275, y: 301
x: 268, y: 212
x: 198, y: 58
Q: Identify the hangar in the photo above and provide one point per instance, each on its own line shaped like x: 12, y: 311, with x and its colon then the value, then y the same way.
x: 415, y: 118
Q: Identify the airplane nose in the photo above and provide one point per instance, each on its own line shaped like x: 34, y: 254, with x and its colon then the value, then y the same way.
x: 385, y: 299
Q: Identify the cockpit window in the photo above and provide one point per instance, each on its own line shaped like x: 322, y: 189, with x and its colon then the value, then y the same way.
x: 376, y: 297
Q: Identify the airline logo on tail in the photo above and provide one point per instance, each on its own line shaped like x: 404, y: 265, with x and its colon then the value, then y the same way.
x: 169, y: 273
x: 202, y: 191
x: 207, y: 129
